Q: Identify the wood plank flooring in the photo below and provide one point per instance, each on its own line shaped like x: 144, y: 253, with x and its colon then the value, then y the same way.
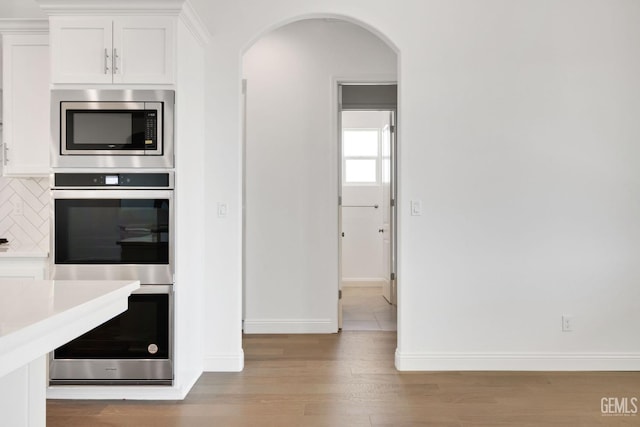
x: 348, y: 379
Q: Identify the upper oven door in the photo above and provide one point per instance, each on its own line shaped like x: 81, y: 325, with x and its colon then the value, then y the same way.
x: 111, y: 128
x: 113, y: 234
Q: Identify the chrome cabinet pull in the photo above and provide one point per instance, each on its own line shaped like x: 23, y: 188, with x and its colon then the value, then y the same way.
x: 106, y: 61
x: 6, y: 153
x: 115, y: 61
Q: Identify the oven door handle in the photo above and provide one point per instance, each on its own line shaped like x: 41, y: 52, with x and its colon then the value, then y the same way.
x: 98, y: 194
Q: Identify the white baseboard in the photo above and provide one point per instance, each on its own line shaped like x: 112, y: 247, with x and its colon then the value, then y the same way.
x: 224, y: 362
x: 363, y: 282
x: 178, y: 391
x: 96, y: 392
x: 289, y: 326
x: 187, y: 381
x: 517, y: 361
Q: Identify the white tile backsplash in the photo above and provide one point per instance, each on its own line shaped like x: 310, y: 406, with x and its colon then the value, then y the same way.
x: 24, y: 212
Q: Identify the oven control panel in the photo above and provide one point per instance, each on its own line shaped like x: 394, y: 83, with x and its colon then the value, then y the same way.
x: 118, y: 180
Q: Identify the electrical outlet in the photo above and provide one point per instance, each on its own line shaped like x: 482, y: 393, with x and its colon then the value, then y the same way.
x: 567, y: 323
x: 18, y: 208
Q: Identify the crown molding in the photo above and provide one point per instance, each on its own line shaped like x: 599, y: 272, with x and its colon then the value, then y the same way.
x: 195, y: 25
x: 111, y: 7
x: 181, y: 8
x: 20, y: 26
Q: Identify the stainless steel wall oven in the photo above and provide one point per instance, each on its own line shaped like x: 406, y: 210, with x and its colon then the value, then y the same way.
x: 117, y: 226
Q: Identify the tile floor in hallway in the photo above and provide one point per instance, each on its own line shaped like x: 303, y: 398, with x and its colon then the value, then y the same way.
x: 365, y: 309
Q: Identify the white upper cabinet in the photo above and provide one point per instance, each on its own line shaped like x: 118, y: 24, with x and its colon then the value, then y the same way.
x: 122, y: 50
x: 143, y: 50
x: 81, y: 50
x: 26, y: 110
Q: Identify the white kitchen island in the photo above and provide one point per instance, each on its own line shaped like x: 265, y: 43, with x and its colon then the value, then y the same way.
x: 37, y: 316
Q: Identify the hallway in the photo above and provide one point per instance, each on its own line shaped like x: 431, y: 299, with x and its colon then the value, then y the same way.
x: 365, y: 309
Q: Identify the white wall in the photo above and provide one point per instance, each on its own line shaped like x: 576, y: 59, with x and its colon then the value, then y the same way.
x: 292, y: 170
x: 519, y: 134
x: 191, y: 275
x: 520, y: 144
x: 21, y: 9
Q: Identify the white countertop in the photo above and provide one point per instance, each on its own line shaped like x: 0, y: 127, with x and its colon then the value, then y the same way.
x: 7, y: 251
x: 37, y: 316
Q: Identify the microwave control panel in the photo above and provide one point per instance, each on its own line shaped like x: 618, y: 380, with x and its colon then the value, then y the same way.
x: 151, y: 127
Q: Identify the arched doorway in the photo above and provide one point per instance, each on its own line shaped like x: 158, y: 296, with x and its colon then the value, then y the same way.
x: 291, y: 168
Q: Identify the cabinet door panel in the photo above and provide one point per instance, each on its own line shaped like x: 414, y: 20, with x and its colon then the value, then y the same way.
x: 26, y: 105
x: 143, y: 50
x: 82, y: 50
x: 35, y: 272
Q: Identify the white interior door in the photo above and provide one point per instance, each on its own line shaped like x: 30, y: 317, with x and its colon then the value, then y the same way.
x: 362, y: 197
x: 393, y: 218
x: 340, y: 230
x: 386, y: 211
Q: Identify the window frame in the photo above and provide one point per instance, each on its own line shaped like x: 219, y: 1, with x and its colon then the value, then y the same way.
x: 377, y: 157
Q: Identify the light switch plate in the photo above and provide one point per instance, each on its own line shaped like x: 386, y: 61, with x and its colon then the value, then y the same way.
x: 222, y: 210
x: 416, y: 207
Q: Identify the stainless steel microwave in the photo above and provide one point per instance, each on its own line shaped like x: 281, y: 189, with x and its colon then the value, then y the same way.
x: 112, y: 128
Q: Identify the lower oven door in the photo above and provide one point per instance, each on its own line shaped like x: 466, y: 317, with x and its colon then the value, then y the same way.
x: 133, y: 348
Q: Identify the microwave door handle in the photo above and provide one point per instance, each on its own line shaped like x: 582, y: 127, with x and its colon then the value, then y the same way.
x: 106, y: 61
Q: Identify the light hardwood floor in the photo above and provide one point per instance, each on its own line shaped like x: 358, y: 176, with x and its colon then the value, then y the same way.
x: 348, y: 379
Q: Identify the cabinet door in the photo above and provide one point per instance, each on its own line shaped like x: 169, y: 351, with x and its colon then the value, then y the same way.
x: 35, y: 272
x: 144, y: 50
x: 26, y: 105
x: 81, y: 49
x: 23, y: 268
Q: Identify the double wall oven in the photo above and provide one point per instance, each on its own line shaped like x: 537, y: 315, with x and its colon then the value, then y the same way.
x: 117, y: 226
x: 112, y: 217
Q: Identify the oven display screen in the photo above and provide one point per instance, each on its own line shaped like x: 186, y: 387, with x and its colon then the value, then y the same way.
x: 111, y: 180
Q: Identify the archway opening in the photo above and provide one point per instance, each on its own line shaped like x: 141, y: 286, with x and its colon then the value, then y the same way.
x: 291, y: 164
